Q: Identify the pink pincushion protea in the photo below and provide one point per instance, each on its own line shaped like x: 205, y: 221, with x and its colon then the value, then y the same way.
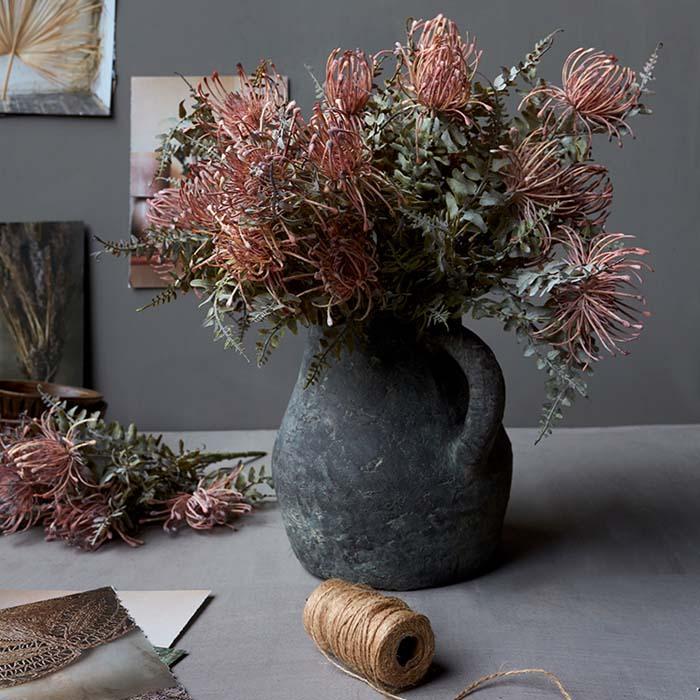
x: 348, y: 81
x: 86, y: 521
x: 210, y: 505
x: 441, y: 66
x: 537, y: 179
x: 19, y: 509
x: 251, y: 109
x: 347, y: 269
x: 596, y: 93
x: 602, y: 307
x: 50, y: 461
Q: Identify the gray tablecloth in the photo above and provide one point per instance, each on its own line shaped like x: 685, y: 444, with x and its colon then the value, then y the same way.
x: 599, y: 582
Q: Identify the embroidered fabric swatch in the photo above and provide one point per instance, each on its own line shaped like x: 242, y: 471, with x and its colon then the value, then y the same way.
x: 40, y: 638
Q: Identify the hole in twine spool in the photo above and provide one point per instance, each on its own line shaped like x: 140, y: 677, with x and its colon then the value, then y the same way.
x: 407, y: 650
x: 380, y: 641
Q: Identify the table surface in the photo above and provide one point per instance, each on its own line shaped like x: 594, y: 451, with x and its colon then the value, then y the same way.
x: 599, y: 581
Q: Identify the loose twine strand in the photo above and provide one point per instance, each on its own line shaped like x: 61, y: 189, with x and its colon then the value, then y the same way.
x: 380, y: 641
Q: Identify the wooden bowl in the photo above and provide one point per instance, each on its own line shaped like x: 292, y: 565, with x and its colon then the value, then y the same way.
x: 18, y: 397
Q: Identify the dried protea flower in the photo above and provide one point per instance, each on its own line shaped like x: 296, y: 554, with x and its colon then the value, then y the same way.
x: 347, y: 268
x: 50, y: 460
x: 336, y: 145
x: 166, y: 210
x: 601, y: 307
x: 337, y: 149
x: 441, y: 66
x: 212, y: 504
x: 252, y: 255
x: 348, y: 80
x: 537, y: 180
x: 86, y: 521
x: 250, y: 110
x: 19, y: 509
x: 596, y: 94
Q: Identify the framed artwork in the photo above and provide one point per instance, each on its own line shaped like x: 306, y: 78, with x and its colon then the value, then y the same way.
x: 57, y: 57
x: 155, y: 105
x: 41, y: 301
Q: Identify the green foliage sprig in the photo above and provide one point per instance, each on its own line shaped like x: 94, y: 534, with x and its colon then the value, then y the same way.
x: 87, y: 481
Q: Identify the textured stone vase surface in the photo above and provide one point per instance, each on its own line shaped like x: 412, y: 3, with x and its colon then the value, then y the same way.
x: 394, y: 468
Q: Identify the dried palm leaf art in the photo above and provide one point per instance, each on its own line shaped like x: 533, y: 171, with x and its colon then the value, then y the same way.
x: 41, y: 638
x: 56, y: 39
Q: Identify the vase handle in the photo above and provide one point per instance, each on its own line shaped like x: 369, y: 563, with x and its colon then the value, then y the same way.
x: 487, y: 395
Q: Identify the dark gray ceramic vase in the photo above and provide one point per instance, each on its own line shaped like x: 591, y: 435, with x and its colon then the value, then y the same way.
x: 394, y: 469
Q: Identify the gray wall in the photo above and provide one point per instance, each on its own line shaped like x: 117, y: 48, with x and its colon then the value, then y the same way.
x: 162, y: 370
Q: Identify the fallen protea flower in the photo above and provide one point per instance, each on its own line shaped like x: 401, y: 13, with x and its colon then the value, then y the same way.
x: 86, y: 521
x: 51, y: 461
x: 600, y: 308
x: 19, y: 509
x: 210, y: 505
x: 441, y: 66
x: 596, y: 94
x: 348, y: 81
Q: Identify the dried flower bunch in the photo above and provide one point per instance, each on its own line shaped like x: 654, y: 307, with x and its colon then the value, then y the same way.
x: 418, y: 194
x: 87, y: 482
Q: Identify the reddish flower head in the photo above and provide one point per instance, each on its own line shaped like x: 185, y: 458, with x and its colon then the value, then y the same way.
x: 218, y: 503
x: 50, y: 461
x: 18, y: 506
x: 537, y: 180
x: 602, y: 307
x: 252, y: 255
x: 441, y: 65
x: 348, y: 81
x: 250, y: 110
x: 86, y: 522
x: 347, y: 267
x: 596, y: 94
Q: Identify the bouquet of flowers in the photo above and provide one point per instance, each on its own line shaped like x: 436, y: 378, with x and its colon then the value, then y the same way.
x: 411, y: 189
x: 87, y: 482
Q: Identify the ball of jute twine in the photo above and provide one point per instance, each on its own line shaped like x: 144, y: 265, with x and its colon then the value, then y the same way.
x: 379, y: 640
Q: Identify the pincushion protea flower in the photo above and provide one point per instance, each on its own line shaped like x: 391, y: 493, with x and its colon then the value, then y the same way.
x: 337, y: 149
x: 602, y: 306
x: 86, y: 521
x: 348, y: 81
x: 347, y: 268
x: 50, y: 460
x: 210, y: 505
x: 596, y: 93
x: 537, y: 179
x: 249, y: 110
x: 441, y: 66
x: 19, y: 509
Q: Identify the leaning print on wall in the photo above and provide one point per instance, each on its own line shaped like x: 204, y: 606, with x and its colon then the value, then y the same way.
x: 154, y: 101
